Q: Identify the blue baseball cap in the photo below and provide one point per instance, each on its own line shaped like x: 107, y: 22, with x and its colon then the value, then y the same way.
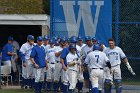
x: 30, y: 37
x: 46, y: 37
x: 39, y: 38
x: 10, y: 38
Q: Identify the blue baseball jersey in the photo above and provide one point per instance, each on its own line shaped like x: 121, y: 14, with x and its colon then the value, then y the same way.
x: 7, y: 48
x: 38, y: 53
x: 64, y: 53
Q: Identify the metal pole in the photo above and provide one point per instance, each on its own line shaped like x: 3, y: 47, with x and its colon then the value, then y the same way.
x: 117, y: 23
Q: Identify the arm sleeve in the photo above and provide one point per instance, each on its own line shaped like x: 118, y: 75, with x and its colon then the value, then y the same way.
x: 64, y: 53
x: 122, y: 55
x: 33, y: 53
x: 87, y: 60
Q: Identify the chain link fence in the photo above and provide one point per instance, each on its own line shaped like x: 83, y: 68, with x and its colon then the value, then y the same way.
x: 126, y: 31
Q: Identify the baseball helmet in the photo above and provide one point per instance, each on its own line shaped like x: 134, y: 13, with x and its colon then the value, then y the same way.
x: 96, y: 47
x: 79, y: 38
x: 88, y: 38
x: 10, y: 38
x: 100, y: 42
x: 56, y: 43
x: 46, y: 37
x: 55, y: 38
x: 72, y: 46
x: 39, y: 38
x: 62, y: 40
x: 73, y: 39
x: 30, y: 37
x: 52, y: 41
x: 94, y: 39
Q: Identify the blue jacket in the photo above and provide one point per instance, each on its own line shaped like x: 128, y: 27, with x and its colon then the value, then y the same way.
x: 7, y: 48
x: 38, y: 53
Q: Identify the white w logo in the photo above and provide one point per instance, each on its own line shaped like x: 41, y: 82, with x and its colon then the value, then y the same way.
x: 85, y: 14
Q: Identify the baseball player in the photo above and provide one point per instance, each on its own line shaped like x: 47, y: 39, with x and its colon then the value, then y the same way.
x: 63, y: 61
x: 115, y: 54
x: 7, y: 53
x: 45, y: 45
x: 94, y: 40
x: 37, y: 58
x: 72, y: 61
x: 80, y: 45
x: 97, y: 60
x: 50, y: 57
x: 15, y: 49
x: 58, y: 65
x: 27, y: 67
x: 85, y: 50
x: 103, y: 47
x: 46, y: 40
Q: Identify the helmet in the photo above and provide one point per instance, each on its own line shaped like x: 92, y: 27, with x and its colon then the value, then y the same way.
x: 30, y: 37
x: 55, y: 38
x: 56, y: 43
x: 62, y: 40
x: 39, y: 38
x: 73, y: 39
x: 96, y: 47
x: 94, y: 39
x: 46, y: 37
x: 10, y: 38
x: 79, y: 38
x: 52, y: 41
x: 100, y: 42
x: 88, y: 38
x: 72, y: 46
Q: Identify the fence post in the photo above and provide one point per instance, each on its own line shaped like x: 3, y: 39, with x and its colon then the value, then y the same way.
x: 51, y: 17
x: 117, y: 23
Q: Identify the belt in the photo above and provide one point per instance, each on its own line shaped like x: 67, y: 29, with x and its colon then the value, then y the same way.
x: 52, y: 63
x: 73, y: 70
x: 57, y: 61
x: 115, y: 65
x: 98, y: 68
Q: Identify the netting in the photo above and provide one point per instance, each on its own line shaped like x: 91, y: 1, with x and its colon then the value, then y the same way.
x: 126, y: 31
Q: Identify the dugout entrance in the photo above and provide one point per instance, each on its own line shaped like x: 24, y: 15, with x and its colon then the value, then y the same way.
x: 19, y: 32
x: 19, y: 26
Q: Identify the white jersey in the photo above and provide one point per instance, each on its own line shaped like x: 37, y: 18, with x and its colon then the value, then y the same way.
x: 115, y: 55
x: 50, y: 54
x: 26, y: 50
x: 86, y: 50
x: 79, y: 48
x: 96, y: 59
x: 58, y: 49
x: 45, y: 47
x: 70, y: 58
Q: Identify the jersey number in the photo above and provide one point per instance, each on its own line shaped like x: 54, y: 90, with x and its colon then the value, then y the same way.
x: 97, y: 58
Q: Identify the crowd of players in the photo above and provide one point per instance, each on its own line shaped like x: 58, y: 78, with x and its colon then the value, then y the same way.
x: 67, y: 64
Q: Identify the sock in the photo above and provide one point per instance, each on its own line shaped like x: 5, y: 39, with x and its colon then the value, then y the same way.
x: 55, y: 86
x: 48, y: 85
x: 40, y: 87
x: 80, y: 85
x: 36, y: 87
x: 95, y: 90
x: 65, y: 88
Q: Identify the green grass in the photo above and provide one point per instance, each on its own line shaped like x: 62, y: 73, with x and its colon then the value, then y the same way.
x: 131, y: 82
